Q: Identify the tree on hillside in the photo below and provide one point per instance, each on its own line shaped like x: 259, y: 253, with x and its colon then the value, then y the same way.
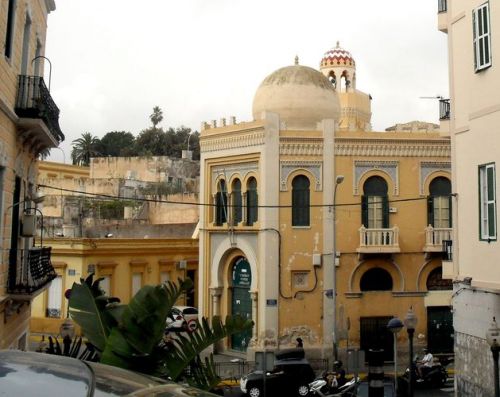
x: 84, y: 148
x: 152, y: 142
x: 117, y: 143
x: 157, y: 116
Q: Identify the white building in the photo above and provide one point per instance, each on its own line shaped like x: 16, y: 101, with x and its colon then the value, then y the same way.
x: 473, y: 29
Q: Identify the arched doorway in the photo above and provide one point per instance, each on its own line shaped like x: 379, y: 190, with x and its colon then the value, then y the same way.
x: 241, y: 303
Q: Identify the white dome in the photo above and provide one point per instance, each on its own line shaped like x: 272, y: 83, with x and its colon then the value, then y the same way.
x: 302, y: 96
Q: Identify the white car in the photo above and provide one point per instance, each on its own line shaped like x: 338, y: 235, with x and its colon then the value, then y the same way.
x: 182, y: 318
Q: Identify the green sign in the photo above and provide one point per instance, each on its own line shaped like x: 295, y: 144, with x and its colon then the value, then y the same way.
x: 242, y: 275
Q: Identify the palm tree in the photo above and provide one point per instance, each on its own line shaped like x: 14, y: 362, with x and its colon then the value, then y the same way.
x: 131, y: 336
x: 84, y: 148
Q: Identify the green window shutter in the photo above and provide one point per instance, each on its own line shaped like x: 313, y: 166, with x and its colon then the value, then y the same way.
x: 450, y: 209
x: 364, y: 211
x: 430, y: 210
x: 385, y: 212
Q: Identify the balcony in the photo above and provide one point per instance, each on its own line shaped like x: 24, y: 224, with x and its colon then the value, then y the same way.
x: 38, y: 114
x: 444, y: 109
x: 443, y: 16
x: 434, y: 238
x: 30, y: 272
x: 383, y: 240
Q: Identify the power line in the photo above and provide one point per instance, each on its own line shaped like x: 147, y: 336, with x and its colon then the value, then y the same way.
x: 118, y: 197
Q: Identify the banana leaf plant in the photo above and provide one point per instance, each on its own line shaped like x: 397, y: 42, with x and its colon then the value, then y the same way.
x: 132, y: 336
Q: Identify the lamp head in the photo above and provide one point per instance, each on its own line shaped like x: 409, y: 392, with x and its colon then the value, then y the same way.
x: 37, y: 198
x: 410, y: 319
x: 339, y: 179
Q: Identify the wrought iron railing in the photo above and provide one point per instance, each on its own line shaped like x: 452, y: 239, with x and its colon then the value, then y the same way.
x: 34, y: 101
x: 444, y: 109
x: 30, y: 271
x: 442, y: 5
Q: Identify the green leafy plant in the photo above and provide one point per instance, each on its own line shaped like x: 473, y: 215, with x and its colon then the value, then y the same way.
x: 132, y: 336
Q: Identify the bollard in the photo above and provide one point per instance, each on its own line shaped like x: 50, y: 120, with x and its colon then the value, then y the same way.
x: 375, y: 373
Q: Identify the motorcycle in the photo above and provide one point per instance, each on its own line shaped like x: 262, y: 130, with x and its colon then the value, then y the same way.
x: 432, y: 377
x: 327, y: 385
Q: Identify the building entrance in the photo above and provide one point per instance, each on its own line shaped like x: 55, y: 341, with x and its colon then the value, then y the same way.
x: 375, y: 335
x: 440, y: 329
x: 241, y: 303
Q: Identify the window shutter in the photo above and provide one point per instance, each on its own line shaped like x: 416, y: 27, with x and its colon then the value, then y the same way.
x: 364, y: 211
x: 385, y: 212
x: 474, y: 37
x: 450, y: 211
x: 430, y: 210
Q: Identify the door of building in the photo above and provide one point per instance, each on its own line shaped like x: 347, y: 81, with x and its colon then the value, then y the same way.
x: 241, y: 304
x: 375, y: 335
x: 440, y: 329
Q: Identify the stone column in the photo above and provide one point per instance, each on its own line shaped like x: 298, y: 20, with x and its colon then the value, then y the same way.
x: 216, y: 293
x: 253, y: 296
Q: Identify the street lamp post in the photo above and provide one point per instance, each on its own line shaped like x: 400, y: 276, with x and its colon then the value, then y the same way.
x: 395, y: 325
x: 493, y: 339
x: 338, y: 180
x: 410, y: 323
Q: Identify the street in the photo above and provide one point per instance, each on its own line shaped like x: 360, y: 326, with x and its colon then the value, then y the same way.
x: 447, y: 391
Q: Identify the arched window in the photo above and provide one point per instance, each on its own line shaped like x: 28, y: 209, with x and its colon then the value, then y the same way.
x: 439, y: 203
x: 221, y: 203
x: 435, y: 281
x: 376, y: 279
x: 236, y: 201
x: 332, y: 78
x: 375, y: 203
x: 252, y: 202
x: 300, y: 201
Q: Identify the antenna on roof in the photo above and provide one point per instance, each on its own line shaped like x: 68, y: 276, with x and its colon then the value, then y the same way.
x: 432, y: 97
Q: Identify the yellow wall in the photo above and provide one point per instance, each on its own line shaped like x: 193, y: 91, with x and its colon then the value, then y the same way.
x: 118, y: 258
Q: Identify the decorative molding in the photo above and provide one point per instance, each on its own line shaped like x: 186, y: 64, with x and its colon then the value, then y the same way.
x: 392, y: 148
x: 314, y: 167
x: 361, y: 167
x: 242, y: 169
x: 232, y: 141
x: 428, y: 167
x: 301, y: 146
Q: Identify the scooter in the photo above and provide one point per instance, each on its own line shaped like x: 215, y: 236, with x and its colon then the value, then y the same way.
x: 327, y: 386
x: 434, y: 376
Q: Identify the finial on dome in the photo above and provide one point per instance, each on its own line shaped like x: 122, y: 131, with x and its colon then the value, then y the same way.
x: 338, y: 44
x: 296, y: 59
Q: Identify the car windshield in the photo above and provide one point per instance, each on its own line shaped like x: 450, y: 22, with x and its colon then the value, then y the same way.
x: 112, y: 381
x: 37, y: 374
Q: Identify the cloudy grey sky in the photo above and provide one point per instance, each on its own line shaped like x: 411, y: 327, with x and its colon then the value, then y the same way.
x: 113, y: 60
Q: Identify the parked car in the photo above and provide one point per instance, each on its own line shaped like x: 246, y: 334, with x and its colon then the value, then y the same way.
x: 290, y: 376
x: 46, y: 375
x: 182, y: 318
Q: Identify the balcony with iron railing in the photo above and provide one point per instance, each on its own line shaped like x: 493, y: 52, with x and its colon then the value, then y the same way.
x: 30, y: 272
x: 444, y: 109
x: 38, y: 114
x: 435, y: 238
x: 443, y: 16
x: 380, y: 240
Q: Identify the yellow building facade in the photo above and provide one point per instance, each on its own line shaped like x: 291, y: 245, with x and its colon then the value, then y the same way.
x: 125, y: 265
x: 28, y: 126
x: 266, y: 241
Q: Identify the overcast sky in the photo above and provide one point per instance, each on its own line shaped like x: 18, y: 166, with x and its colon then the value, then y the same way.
x: 113, y: 60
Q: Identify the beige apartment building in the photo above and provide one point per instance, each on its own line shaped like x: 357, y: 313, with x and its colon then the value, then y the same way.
x: 267, y: 241
x: 473, y: 29
x: 28, y: 127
